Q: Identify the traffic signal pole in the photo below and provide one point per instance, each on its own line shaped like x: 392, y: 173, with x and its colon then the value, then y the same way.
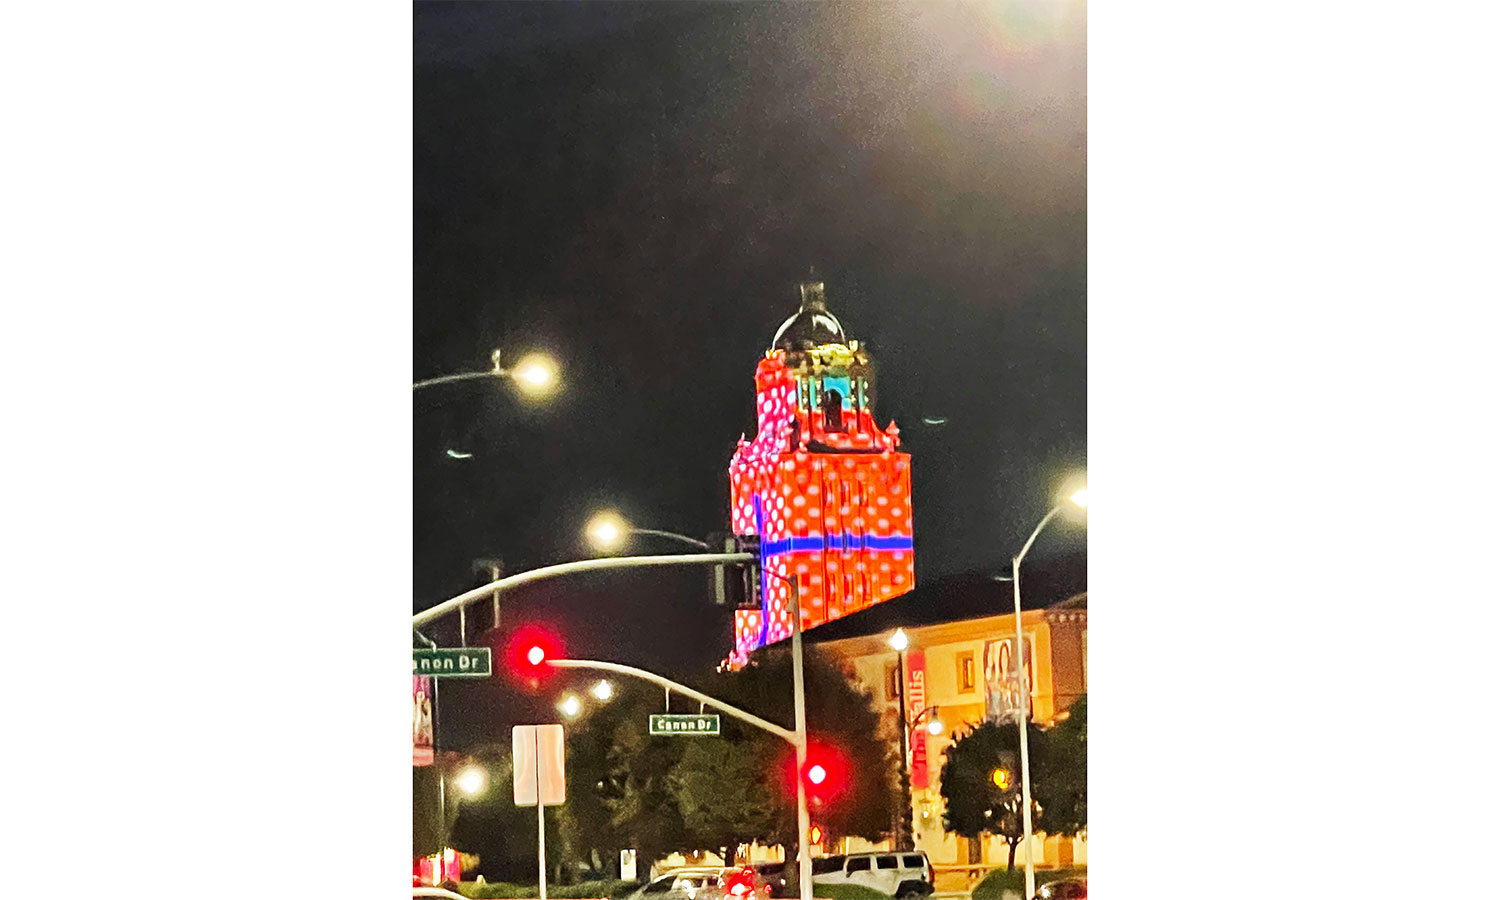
x: 799, y: 704
x: 796, y: 737
x: 568, y: 568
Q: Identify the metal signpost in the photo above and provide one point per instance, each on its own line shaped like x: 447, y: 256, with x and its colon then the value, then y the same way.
x: 451, y: 662
x: 537, y: 754
x: 680, y: 724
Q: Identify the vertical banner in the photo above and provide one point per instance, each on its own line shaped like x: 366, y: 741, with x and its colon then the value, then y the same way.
x: 1002, y: 689
x: 421, y: 721
x: 916, y: 701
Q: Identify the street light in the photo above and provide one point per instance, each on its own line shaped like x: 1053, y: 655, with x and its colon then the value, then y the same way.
x: 535, y: 374
x: 470, y: 781
x: 1080, y: 498
x: 603, y: 691
x: 608, y: 530
x: 570, y: 705
x: 899, y: 642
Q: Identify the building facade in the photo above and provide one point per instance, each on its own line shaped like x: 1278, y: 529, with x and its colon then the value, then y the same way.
x: 957, y: 668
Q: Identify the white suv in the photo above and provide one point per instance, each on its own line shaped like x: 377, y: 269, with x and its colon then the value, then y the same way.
x: 905, y: 873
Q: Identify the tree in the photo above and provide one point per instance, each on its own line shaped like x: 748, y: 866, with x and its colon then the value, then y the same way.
x: 1058, y: 758
x: 722, y: 786
x: 841, y: 717
x: 628, y: 789
x: 1060, y: 773
x: 618, y: 796
x: 973, y: 801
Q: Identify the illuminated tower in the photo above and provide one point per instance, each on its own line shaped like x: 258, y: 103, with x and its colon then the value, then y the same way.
x: 822, y: 486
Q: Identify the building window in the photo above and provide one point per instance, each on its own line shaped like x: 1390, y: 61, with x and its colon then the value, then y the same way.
x: 833, y: 411
x: 966, y: 671
x: 893, y: 682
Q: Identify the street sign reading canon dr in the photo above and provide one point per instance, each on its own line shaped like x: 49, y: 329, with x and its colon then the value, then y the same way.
x: 671, y: 723
x: 451, y: 662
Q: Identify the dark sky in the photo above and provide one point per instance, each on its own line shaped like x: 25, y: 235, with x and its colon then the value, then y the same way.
x: 638, y: 189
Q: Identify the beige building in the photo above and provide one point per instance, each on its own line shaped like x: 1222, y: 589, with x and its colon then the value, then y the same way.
x: 959, y: 640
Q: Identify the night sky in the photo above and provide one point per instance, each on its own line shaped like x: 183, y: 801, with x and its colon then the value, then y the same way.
x: 638, y: 189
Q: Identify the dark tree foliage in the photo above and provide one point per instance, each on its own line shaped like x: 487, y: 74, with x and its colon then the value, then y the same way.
x: 1060, y: 774
x: 628, y: 789
x: 974, y: 804
x: 618, y: 791
x: 841, y: 717
x: 722, y: 789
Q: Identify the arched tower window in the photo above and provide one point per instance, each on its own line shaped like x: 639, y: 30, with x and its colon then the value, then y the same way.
x: 833, y: 411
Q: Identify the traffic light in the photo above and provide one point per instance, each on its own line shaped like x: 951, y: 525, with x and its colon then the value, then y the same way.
x: 736, y: 585
x: 825, y: 775
x: 528, y: 652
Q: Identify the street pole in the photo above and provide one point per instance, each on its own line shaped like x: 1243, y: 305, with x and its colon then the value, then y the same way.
x: 541, y: 826
x: 904, y: 812
x: 799, y: 706
x: 796, y: 737
x: 671, y: 535
x: 1025, y: 693
x: 568, y: 568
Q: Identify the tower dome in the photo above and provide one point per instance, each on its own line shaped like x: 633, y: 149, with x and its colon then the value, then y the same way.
x: 812, y: 325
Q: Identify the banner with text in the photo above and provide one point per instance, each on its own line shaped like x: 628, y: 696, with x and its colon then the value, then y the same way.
x: 916, y: 701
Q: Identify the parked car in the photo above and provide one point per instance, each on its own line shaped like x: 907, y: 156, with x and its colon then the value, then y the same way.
x: 899, y: 874
x: 1064, y: 889
x: 681, y: 884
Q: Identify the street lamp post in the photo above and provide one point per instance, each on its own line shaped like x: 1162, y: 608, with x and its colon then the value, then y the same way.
x: 608, y: 530
x: 899, y: 642
x: 536, y: 373
x: 1079, y: 498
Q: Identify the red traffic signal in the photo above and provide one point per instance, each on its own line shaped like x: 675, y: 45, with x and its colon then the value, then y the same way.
x: 825, y: 774
x: 529, y: 651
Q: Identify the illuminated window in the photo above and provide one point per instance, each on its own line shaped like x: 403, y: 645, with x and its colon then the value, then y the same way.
x: 966, y: 671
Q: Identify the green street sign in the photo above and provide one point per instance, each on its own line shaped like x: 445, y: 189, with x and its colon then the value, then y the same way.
x: 452, y: 662
x: 676, y: 724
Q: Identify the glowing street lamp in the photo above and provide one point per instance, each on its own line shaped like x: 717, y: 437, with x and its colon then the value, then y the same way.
x: 535, y: 374
x: 470, y: 781
x: 603, y: 691
x: 570, y: 706
x: 1079, y: 497
x: 608, y: 531
x: 899, y: 641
